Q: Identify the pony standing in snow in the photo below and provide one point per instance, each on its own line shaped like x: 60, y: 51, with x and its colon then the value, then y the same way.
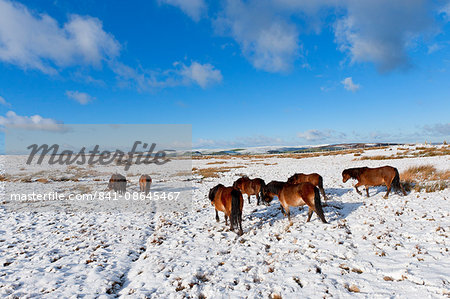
x: 250, y: 187
x: 313, y: 178
x: 118, y: 183
x: 144, y: 183
x: 229, y: 201
x: 294, y: 195
x: 386, y: 175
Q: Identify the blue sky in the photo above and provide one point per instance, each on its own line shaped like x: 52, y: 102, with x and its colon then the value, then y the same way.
x: 243, y: 73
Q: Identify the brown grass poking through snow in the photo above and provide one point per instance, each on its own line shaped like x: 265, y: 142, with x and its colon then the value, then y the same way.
x: 213, y: 172
x: 417, y: 152
x: 425, y: 177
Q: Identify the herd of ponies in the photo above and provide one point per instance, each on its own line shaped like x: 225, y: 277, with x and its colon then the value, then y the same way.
x: 300, y: 189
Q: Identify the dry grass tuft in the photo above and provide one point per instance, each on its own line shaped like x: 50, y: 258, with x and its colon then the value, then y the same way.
x: 425, y: 177
x: 417, y: 152
x: 216, y: 162
x: 213, y: 172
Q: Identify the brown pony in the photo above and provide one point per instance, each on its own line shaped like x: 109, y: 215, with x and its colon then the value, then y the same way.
x: 118, y: 183
x: 386, y: 175
x: 250, y: 187
x: 144, y: 183
x: 230, y: 201
x: 293, y: 195
x: 313, y: 178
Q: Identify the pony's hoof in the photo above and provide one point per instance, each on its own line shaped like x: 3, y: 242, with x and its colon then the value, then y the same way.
x: 385, y: 197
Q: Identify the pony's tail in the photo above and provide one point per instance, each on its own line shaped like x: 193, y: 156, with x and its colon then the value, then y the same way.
x: 236, y: 213
x: 318, y: 205
x: 396, y: 182
x: 261, y: 190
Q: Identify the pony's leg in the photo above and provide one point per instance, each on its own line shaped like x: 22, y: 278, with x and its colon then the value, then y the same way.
x: 288, y: 213
x: 310, y: 212
x: 323, y: 194
x: 248, y: 198
x: 258, y: 199
x: 387, y: 193
x: 367, y: 191
x: 356, y: 187
x: 241, y: 232
x: 403, y: 190
x: 226, y: 220
x: 217, y: 216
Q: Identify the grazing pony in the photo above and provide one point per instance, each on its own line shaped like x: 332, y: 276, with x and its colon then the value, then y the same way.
x: 386, y: 175
x: 271, y: 190
x: 230, y: 201
x: 144, y: 183
x: 250, y: 187
x: 293, y: 195
x: 313, y: 178
x: 118, y: 183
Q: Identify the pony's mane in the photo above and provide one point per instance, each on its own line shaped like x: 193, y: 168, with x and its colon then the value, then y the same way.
x: 213, y: 191
x: 260, y: 181
x: 354, y: 172
x: 293, y: 177
x: 274, y: 187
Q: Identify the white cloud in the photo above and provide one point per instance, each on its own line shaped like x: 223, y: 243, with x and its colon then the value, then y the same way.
x: 438, y: 129
x: 4, y: 102
x: 193, y: 8
x: 317, y: 135
x: 314, y: 135
x: 349, y: 84
x: 81, y: 97
x: 381, y: 31
x: 37, y: 41
x: 269, y: 41
x: 445, y: 10
x: 196, y: 73
x: 35, y: 122
x: 201, y: 74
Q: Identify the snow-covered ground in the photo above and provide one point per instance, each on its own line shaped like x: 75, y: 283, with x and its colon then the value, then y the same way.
x: 397, y: 247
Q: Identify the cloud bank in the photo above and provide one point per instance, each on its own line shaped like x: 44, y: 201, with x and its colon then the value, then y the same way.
x: 34, y: 122
x: 269, y: 32
x: 34, y: 41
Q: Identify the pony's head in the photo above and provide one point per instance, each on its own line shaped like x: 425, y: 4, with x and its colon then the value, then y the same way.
x: 346, y: 175
x: 237, y: 184
x: 213, y: 191
x: 266, y: 196
x: 269, y: 191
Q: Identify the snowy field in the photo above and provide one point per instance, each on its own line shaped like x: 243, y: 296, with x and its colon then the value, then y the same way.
x: 371, y: 247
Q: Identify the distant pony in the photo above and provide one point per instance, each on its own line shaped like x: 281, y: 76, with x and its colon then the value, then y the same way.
x: 313, y: 178
x: 250, y: 187
x: 386, y: 175
x: 144, y: 183
x: 230, y: 201
x: 118, y: 183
